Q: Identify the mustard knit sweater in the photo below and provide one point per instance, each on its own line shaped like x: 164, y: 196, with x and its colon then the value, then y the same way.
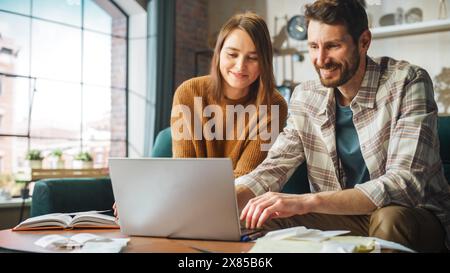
x: 244, y: 151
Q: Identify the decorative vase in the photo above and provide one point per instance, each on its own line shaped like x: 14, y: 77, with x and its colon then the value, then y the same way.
x: 35, y: 164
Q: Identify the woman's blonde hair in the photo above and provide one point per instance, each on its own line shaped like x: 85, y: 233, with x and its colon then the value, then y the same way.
x: 256, y: 28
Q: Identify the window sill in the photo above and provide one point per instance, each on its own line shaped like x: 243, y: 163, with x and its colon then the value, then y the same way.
x: 14, y: 203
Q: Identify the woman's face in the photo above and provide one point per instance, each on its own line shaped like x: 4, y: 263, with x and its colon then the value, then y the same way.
x: 239, y: 64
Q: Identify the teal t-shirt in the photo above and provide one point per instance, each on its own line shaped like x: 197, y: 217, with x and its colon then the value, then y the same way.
x: 348, y: 148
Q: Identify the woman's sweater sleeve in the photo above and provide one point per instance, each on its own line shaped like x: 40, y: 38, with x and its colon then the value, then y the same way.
x: 254, y: 152
x: 181, y: 122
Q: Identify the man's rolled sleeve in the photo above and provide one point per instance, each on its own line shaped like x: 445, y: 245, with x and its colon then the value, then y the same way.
x: 253, y: 184
x: 375, y: 191
x: 283, y: 158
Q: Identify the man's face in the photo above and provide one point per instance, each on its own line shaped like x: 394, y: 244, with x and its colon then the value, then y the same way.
x: 333, y: 52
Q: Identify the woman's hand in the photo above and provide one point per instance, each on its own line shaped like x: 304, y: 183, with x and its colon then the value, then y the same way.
x: 116, y: 213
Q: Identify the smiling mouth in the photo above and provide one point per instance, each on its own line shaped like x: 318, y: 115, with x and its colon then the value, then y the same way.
x: 238, y: 75
x: 327, y: 72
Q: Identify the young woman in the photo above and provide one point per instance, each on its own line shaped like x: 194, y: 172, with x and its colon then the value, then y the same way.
x: 235, y: 111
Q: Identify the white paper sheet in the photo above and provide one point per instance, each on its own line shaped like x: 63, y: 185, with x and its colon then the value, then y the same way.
x: 82, y: 242
x: 301, y: 240
x: 302, y: 233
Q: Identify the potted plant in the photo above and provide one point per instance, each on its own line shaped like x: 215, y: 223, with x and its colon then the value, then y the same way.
x: 56, y: 161
x: 83, y: 160
x: 34, y: 159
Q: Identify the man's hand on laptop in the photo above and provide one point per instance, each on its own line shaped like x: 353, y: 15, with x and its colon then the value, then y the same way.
x: 276, y: 205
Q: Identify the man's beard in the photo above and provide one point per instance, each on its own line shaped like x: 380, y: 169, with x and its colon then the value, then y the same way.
x: 347, y: 69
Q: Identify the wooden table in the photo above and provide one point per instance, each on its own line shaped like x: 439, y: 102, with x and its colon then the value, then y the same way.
x: 24, y: 241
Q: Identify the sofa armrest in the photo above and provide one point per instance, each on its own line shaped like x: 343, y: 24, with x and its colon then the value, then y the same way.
x: 71, y: 195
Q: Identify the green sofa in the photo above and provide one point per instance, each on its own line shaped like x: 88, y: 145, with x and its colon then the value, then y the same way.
x: 444, y: 139
x: 81, y: 194
x: 71, y: 195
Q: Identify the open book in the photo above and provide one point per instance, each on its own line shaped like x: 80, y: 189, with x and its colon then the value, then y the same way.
x: 88, y: 219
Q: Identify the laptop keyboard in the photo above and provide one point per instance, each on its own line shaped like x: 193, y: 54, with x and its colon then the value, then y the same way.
x: 247, y: 231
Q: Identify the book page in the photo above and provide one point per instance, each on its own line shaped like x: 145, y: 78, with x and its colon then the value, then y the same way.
x: 94, y: 219
x: 48, y: 220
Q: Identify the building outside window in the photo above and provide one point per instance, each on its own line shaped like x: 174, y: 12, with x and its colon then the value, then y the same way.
x: 63, y: 71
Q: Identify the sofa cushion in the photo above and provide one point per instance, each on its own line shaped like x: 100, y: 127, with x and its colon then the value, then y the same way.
x: 447, y: 172
x: 444, y: 141
x: 444, y: 138
x: 163, y: 144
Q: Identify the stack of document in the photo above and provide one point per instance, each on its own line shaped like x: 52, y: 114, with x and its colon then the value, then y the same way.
x: 303, y: 240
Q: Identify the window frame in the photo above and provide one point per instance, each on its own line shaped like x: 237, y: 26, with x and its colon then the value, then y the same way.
x: 32, y: 79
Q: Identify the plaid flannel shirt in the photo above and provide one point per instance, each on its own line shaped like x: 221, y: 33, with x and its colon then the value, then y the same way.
x: 395, y: 116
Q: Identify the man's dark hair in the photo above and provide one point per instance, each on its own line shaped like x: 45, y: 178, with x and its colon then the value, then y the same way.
x: 350, y: 13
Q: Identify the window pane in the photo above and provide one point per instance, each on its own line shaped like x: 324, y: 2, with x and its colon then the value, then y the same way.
x: 96, y: 113
x: 104, y: 60
x: 64, y: 11
x: 103, y: 16
x: 56, y: 52
x: 96, y: 16
x: 47, y: 146
x: 56, y: 110
x: 12, y: 151
x: 20, y: 6
x: 104, y: 122
x: 97, y: 59
x: 14, y: 45
x: 14, y: 105
x: 12, y: 156
x: 99, y: 151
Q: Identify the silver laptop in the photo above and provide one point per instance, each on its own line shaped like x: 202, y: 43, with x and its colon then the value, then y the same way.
x: 176, y: 198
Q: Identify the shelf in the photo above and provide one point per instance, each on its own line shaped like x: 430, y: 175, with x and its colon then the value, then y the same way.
x: 410, y: 29
x: 390, y: 32
x: 14, y: 203
x: 36, y: 174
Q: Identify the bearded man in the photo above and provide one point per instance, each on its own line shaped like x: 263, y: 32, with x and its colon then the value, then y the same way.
x: 368, y: 134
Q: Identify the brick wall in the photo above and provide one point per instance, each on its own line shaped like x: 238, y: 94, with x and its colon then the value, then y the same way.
x: 118, y: 82
x: 191, y: 35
